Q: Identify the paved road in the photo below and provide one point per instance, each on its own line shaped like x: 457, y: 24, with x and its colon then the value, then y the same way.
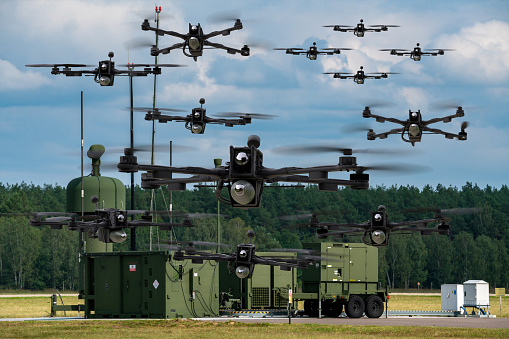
x: 391, y: 321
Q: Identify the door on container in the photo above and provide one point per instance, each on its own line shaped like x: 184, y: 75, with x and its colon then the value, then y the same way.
x: 131, y: 271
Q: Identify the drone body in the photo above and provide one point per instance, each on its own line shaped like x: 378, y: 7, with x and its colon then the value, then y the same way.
x: 244, y: 259
x: 313, y: 52
x: 360, y: 76
x: 417, y: 52
x: 377, y: 230
x: 195, y: 40
x: 198, y: 119
x: 105, y: 73
x: 245, y: 176
x: 414, y: 127
x: 360, y: 28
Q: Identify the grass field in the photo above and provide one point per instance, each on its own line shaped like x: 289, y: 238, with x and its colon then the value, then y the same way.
x: 15, y: 307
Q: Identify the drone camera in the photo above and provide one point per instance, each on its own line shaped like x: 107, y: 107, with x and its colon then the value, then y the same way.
x: 106, y: 72
x: 378, y: 219
x: 197, y: 120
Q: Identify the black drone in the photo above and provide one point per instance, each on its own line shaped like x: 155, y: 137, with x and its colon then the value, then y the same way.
x: 360, y: 76
x: 361, y: 28
x: 195, y: 41
x: 313, y: 52
x: 245, y: 175
x: 377, y: 230
x: 414, y: 127
x: 244, y: 259
x: 106, y: 72
x: 198, y: 119
x: 417, y: 52
x: 107, y: 225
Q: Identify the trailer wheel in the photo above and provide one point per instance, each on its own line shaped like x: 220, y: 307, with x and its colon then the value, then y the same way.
x: 355, y: 307
x: 374, y: 306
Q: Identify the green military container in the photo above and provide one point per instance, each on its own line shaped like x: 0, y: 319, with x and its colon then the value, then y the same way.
x: 346, y: 276
x: 149, y: 285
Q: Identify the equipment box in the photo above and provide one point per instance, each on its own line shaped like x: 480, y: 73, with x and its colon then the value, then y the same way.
x: 476, y: 293
x: 452, y: 297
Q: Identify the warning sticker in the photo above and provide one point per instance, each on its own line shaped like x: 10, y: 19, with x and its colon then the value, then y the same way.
x: 132, y: 268
x: 156, y: 284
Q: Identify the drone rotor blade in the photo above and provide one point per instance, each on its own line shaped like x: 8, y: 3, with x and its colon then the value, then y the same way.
x: 156, y: 109
x: 59, y: 65
x: 464, y: 125
x: 260, y: 116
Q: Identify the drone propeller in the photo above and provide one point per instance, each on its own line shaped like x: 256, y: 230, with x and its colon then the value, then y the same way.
x: 260, y: 116
x: 155, y: 110
x: 394, y: 49
x: 292, y: 48
x: 59, y: 65
x: 334, y: 149
x: 464, y: 125
x: 224, y: 16
x: 384, y: 26
x: 346, y: 26
x: 308, y: 254
x: 439, y: 49
x: 151, y: 65
x: 450, y: 211
x: 333, y: 49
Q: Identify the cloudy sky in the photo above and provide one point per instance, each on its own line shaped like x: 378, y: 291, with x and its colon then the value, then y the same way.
x: 40, y: 112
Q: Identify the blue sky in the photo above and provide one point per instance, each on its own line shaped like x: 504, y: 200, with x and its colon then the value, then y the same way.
x: 40, y: 112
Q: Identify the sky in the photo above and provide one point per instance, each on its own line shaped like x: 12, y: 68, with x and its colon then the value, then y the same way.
x: 40, y: 112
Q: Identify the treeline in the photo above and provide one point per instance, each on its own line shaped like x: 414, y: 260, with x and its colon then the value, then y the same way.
x: 477, y: 247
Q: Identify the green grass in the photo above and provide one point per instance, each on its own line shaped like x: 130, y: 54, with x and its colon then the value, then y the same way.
x: 231, y: 329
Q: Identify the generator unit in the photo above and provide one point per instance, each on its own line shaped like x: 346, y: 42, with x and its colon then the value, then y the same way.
x: 149, y: 285
x: 345, y: 277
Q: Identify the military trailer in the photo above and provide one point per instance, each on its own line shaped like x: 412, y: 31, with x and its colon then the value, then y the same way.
x: 149, y: 285
x: 346, y: 279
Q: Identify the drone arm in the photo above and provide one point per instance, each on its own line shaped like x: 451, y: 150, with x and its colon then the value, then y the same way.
x: 382, y: 119
x: 443, y: 119
x: 165, y: 118
x: 227, y: 122
x: 167, y: 50
x: 385, y: 134
x: 146, y: 27
x: 228, y: 49
x: 226, y: 31
x: 438, y: 131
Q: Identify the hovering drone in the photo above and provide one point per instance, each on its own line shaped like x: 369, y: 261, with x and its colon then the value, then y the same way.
x: 414, y: 127
x: 377, y: 230
x: 244, y: 259
x: 107, y: 225
x: 195, y: 41
x: 106, y: 72
x: 361, y: 28
x: 245, y: 175
x: 198, y: 119
x: 313, y: 52
x: 417, y: 52
x: 360, y: 75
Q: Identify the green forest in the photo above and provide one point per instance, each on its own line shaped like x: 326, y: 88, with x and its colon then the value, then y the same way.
x: 477, y: 247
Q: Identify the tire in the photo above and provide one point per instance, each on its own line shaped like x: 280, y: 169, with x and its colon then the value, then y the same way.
x: 354, y: 307
x: 374, y: 306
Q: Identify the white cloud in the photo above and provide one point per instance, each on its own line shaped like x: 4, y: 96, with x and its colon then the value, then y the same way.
x: 14, y: 79
x: 481, y: 51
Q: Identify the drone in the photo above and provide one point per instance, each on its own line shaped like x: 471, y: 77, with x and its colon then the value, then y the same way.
x: 313, y: 52
x: 414, y: 127
x: 105, y: 74
x: 360, y: 75
x: 417, y: 52
x: 377, y: 230
x: 361, y: 28
x: 244, y: 259
x: 195, y: 41
x: 245, y: 176
x: 198, y: 119
x: 107, y: 225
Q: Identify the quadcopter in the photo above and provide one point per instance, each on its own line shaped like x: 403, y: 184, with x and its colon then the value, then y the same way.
x: 107, y: 225
x: 195, y: 41
x: 198, y: 119
x: 313, y: 52
x: 377, y: 230
x: 414, y: 127
x: 360, y: 75
x: 360, y: 28
x: 417, y: 52
x: 245, y: 176
x: 244, y: 259
x: 105, y: 74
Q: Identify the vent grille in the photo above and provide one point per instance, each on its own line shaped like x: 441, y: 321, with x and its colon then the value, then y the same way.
x: 261, y: 297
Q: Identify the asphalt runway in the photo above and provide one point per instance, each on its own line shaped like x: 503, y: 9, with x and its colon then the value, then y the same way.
x: 466, y: 322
